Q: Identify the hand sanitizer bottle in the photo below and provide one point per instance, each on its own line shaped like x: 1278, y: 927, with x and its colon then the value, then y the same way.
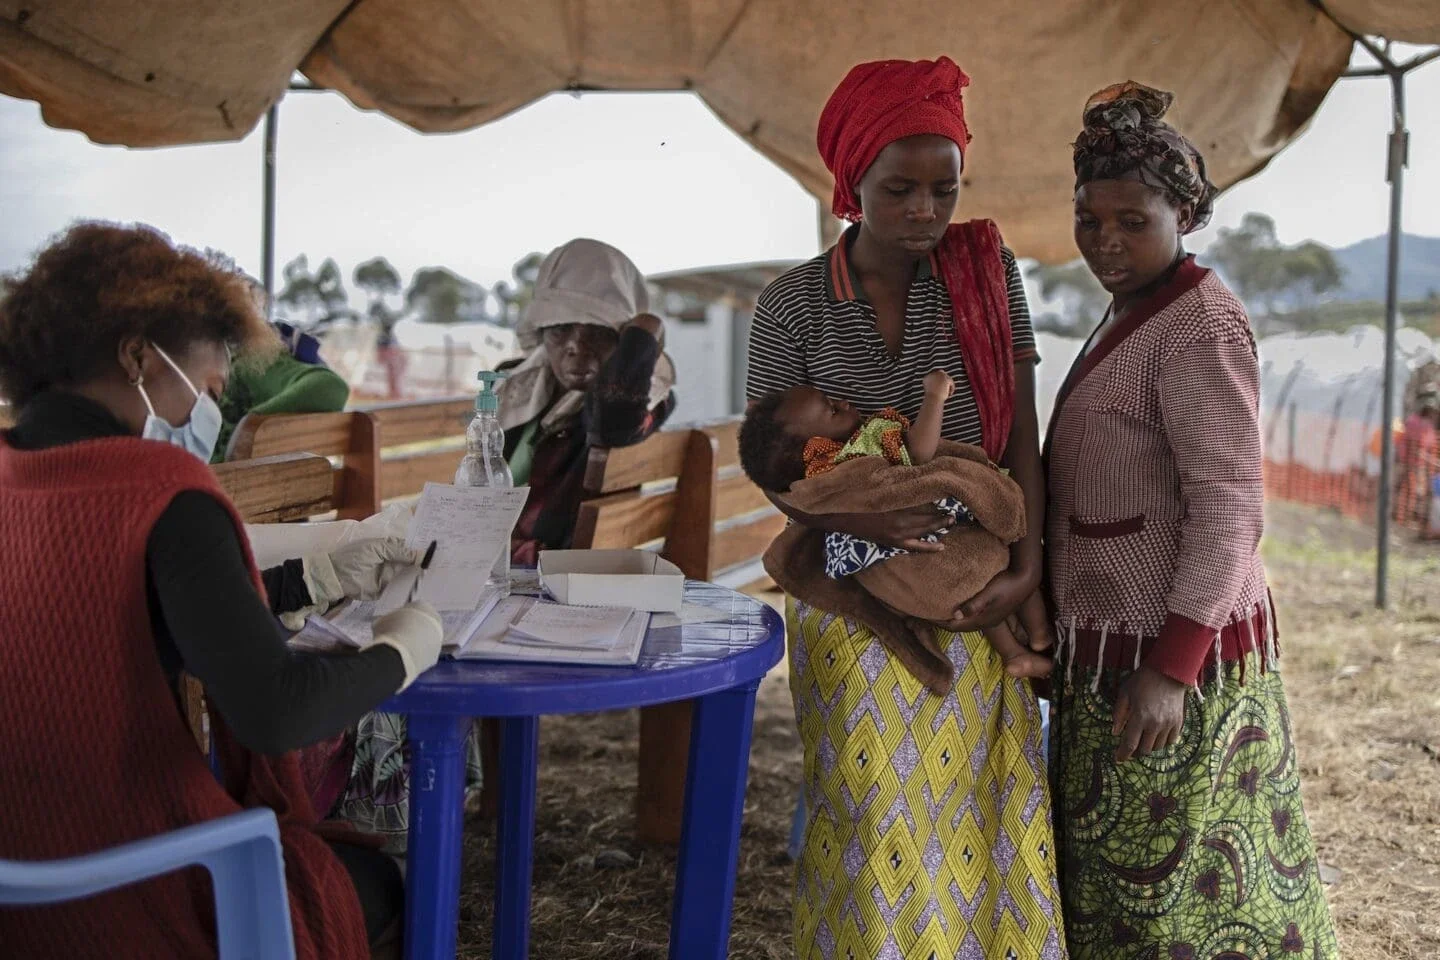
x: 484, y: 462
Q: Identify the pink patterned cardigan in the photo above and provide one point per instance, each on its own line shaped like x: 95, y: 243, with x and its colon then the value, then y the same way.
x: 1156, y: 502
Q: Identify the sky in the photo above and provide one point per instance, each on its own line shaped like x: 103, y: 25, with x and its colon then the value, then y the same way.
x: 657, y: 175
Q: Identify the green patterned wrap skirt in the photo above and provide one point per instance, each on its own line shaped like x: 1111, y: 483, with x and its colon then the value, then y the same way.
x: 1200, y: 851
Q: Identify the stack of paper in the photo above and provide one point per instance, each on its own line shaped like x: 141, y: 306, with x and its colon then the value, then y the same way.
x: 527, y: 629
x: 352, y: 625
x: 558, y: 625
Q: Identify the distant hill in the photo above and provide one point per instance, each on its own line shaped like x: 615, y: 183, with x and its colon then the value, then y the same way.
x: 1364, y: 267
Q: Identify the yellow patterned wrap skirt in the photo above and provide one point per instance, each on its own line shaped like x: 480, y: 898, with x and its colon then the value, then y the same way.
x: 928, y: 832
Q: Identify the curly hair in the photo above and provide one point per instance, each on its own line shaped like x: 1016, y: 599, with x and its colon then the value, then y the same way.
x: 771, y: 456
x: 63, y: 319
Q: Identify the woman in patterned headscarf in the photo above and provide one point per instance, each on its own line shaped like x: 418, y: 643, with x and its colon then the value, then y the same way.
x: 595, y: 373
x: 928, y: 815
x: 1177, y: 787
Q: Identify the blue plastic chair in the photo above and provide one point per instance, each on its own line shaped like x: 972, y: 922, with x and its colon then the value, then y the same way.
x: 241, y: 851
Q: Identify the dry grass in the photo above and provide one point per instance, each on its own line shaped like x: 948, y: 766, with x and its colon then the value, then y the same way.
x: 1364, y: 690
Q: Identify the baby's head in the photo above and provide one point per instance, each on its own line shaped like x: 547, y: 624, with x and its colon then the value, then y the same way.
x: 777, y: 427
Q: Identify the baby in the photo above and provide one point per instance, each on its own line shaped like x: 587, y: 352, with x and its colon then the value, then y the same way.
x: 800, y: 433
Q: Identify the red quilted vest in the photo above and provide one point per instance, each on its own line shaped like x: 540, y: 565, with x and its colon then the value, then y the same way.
x: 94, y: 750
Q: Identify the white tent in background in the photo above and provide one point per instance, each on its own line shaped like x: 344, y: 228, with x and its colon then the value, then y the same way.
x: 1321, y: 393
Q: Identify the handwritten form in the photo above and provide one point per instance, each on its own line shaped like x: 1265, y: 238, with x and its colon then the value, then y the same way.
x: 471, y: 526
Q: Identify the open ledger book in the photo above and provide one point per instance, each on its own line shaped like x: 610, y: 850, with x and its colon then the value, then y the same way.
x: 352, y: 625
x: 534, y: 630
x: 514, y: 628
x: 470, y: 527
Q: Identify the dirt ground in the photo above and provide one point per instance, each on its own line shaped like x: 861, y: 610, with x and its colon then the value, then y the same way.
x: 1364, y: 690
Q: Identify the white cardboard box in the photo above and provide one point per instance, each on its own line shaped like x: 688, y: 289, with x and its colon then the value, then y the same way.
x: 613, y: 578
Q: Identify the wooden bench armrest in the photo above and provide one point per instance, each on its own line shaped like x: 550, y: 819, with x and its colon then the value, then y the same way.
x: 289, y: 486
x: 659, y: 456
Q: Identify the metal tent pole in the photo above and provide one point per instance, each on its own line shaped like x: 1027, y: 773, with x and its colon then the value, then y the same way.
x: 267, y: 229
x: 267, y: 212
x: 1395, y: 173
x: 1398, y: 157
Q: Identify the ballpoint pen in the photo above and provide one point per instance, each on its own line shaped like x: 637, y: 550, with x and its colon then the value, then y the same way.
x: 424, y: 565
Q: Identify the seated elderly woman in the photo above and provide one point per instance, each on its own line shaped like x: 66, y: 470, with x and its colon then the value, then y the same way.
x: 593, y: 375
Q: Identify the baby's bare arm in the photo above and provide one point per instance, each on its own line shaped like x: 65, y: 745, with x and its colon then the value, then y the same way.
x: 924, y: 435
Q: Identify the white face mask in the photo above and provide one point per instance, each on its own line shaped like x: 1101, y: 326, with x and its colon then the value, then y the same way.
x: 199, y: 434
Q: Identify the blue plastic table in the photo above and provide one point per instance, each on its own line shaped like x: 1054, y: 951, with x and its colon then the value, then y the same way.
x: 718, y: 664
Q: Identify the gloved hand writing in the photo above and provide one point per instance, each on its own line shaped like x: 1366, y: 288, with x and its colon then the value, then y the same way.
x: 416, y: 633
x: 358, y: 570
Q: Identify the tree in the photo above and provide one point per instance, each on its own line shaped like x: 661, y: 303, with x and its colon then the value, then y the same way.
x: 1083, y: 301
x: 377, y: 278
x: 437, y: 295
x: 380, y: 281
x: 1267, y: 274
x: 299, y: 299
x: 1245, y: 256
x: 330, y: 286
x: 312, y: 299
x: 1310, y: 270
x: 515, y: 297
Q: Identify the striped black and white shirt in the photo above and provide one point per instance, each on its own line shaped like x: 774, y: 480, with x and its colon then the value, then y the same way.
x: 814, y: 326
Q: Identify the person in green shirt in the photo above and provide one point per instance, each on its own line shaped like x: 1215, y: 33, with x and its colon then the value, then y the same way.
x: 286, y: 385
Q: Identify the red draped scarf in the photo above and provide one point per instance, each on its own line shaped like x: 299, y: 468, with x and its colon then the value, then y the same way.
x: 887, y: 100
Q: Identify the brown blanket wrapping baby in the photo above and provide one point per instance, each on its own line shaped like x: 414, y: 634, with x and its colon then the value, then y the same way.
x: 900, y: 599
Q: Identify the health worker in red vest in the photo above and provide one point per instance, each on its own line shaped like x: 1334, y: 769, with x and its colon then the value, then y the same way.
x: 126, y: 571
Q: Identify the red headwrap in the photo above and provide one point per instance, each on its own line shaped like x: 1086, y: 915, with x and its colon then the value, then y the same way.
x: 887, y: 100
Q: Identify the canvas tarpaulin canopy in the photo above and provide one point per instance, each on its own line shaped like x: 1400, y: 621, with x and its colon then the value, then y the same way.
x: 1248, y: 73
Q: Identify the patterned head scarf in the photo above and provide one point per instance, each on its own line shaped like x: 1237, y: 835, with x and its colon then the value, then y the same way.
x: 583, y: 281
x: 883, y: 101
x: 1125, y: 133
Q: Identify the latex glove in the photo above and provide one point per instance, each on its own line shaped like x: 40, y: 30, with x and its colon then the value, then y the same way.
x: 416, y: 633
x: 358, y: 570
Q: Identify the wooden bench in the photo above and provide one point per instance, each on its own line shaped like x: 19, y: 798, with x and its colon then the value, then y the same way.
x: 681, y: 490
x: 382, y: 453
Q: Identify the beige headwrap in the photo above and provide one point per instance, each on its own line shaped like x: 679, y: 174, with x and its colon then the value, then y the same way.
x: 583, y: 281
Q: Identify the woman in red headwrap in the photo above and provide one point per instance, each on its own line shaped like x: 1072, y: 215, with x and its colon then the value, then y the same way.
x: 928, y: 816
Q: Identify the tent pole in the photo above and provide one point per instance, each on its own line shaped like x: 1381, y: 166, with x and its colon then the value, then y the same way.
x: 267, y: 228
x: 1395, y: 172
x: 1398, y: 157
